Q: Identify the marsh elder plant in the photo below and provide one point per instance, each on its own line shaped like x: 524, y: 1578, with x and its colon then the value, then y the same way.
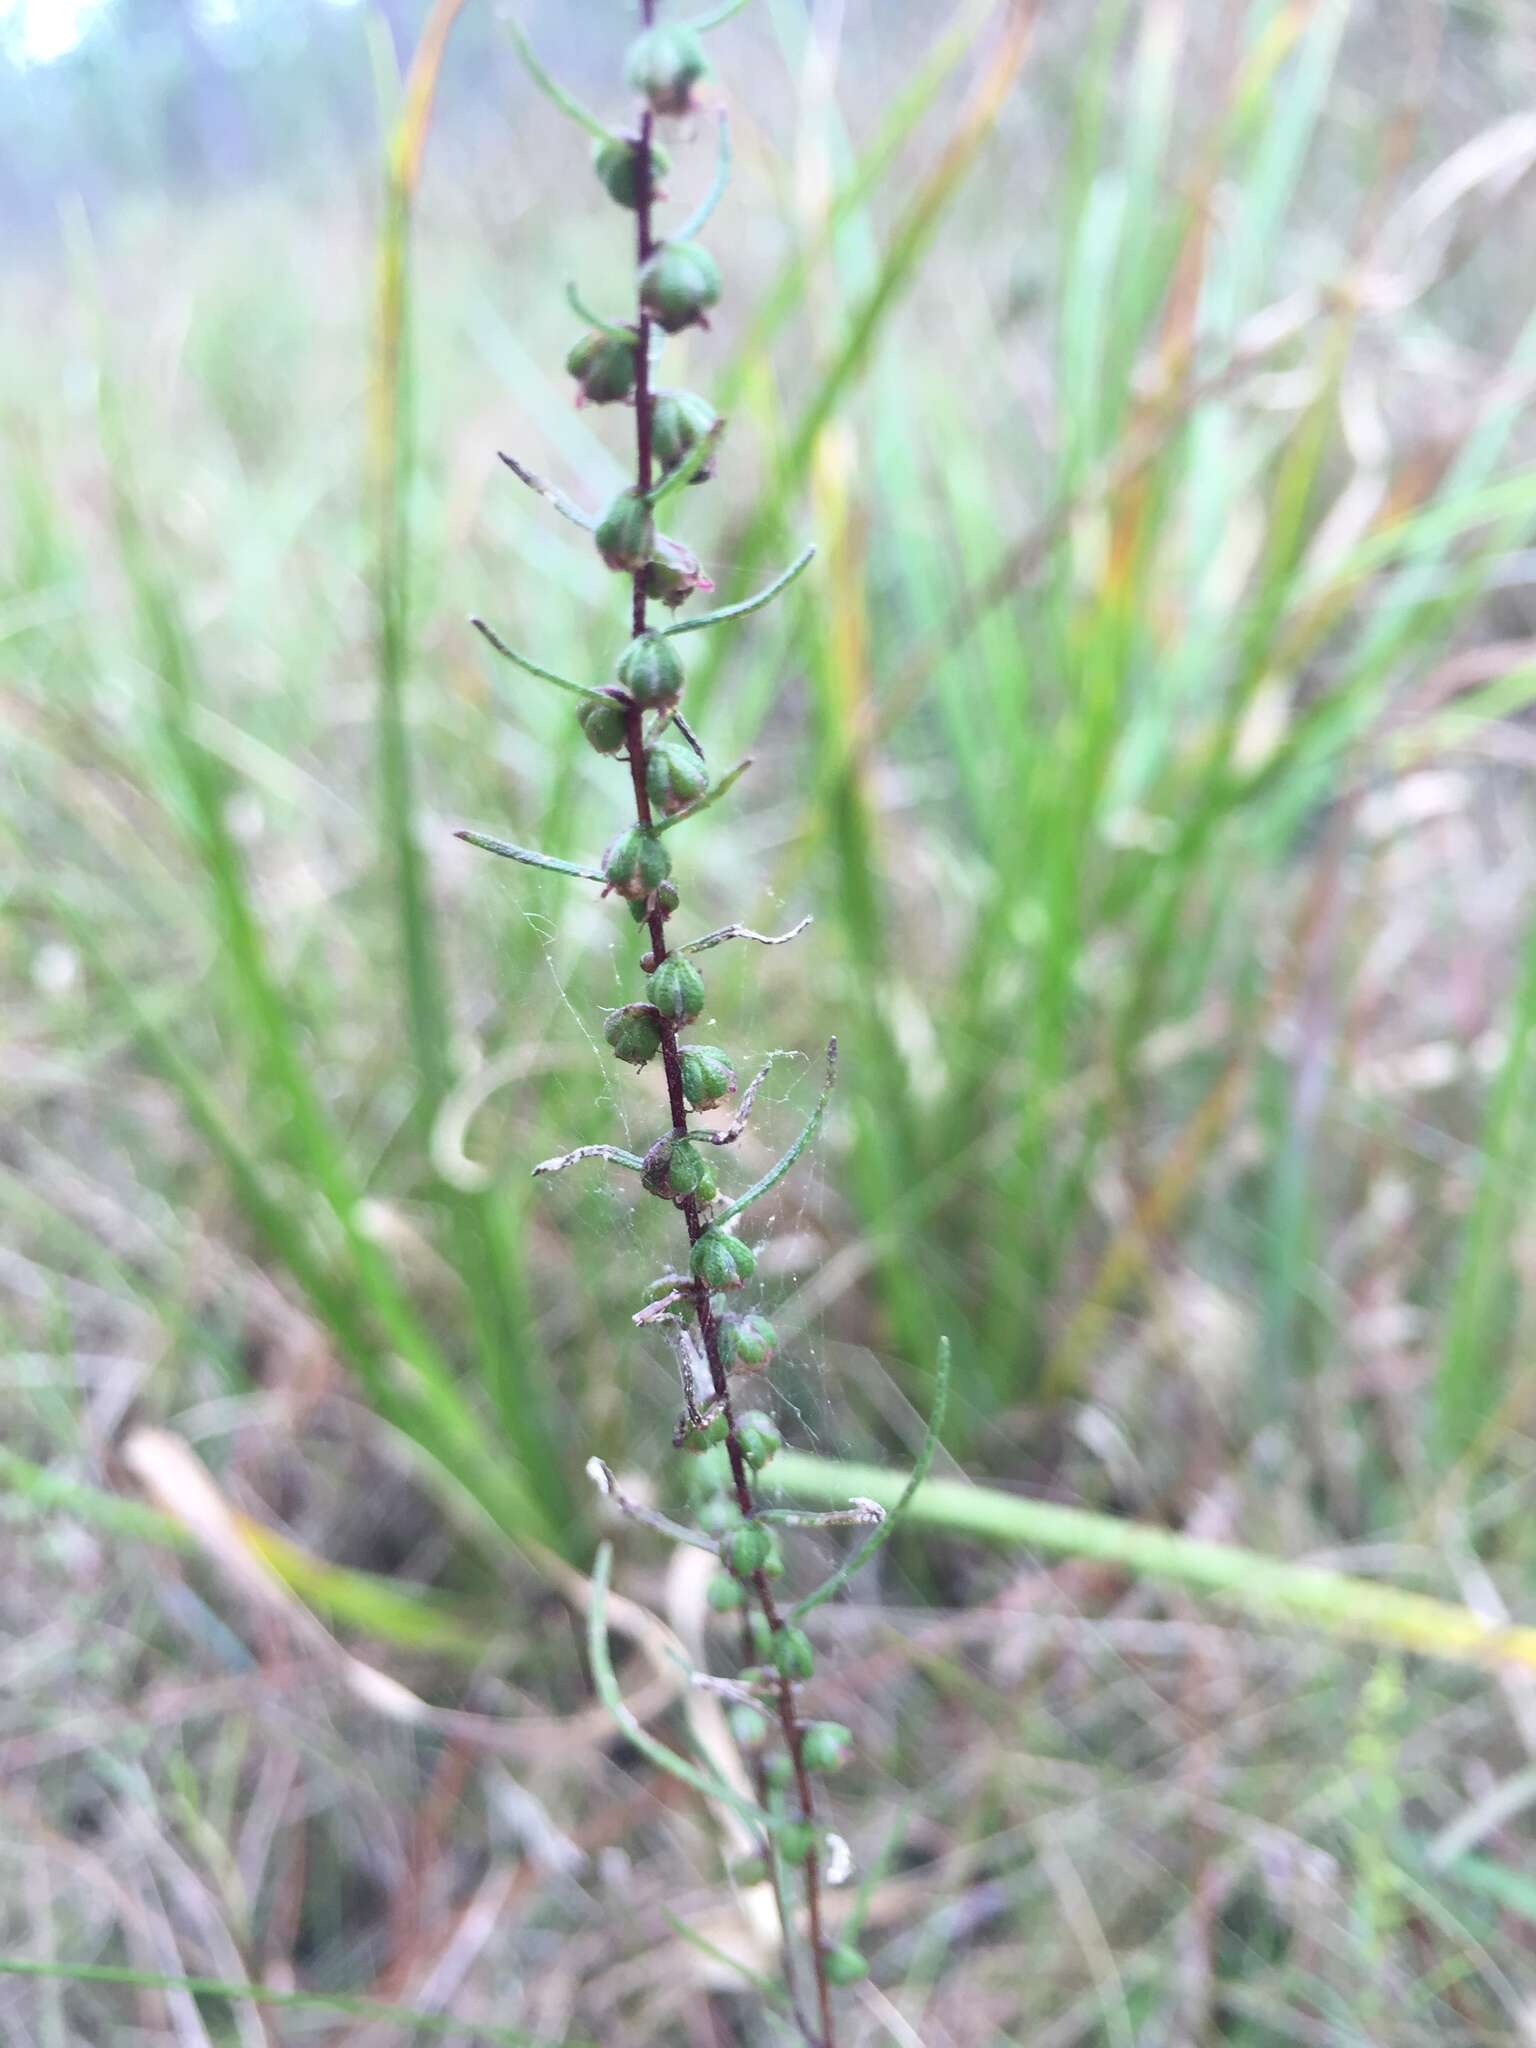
x: 704, y: 1307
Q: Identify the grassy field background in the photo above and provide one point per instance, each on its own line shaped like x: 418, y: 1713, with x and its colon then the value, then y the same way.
x: 1151, y: 743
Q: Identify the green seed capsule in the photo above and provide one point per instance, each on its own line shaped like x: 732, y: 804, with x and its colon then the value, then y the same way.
x: 793, y: 1656
x: 758, y: 1435
x: 617, y: 164
x: 673, y: 574
x: 636, y: 863
x: 651, y: 671
x: 748, y: 1871
x: 760, y: 1633
x: 678, y: 285
x: 665, y: 898
x: 773, y: 1563
x: 825, y: 1746
x: 708, y: 1189
x: 672, y: 1168
x: 745, y: 1548
x: 747, y: 1343
x: 778, y: 1769
x: 602, y: 720
x: 665, y: 66
x: 749, y: 1726
x: 674, y: 776
x: 604, y: 366
x: 797, y: 1838
x: 680, y: 420
x: 725, y: 1594
x: 676, y: 987
x: 722, y: 1517
x: 626, y: 533
x: 721, y: 1261
x: 844, y: 1965
x: 708, y: 1076
x: 634, y: 1034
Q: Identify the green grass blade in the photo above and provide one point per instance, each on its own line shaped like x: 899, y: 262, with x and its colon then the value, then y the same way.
x: 607, y: 1684
x: 341, y: 2002
x: 1476, y: 1365
x: 1310, y: 1595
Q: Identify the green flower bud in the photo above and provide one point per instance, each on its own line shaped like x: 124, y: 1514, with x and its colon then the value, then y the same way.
x: 844, y: 1965
x: 676, y: 987
x: 665, y: 65
x: 778, y: 1769
x: 758, y: 1435
x: 673, y: 574
x: 665, y: 898
x: 749, y: 1726
x: 651, y: 671
x: 680, y: 420
x: 636, y: 863
x: 747, y: 1343
x: 825, y: 1745
x: 604, y: 366
x: 672, y: 1169
x: 602, y: 720
x: 626, y: 533
x: 721, y: 1516
x: 634, y: 1034
x: 759, y: 1633
x: 708, y: 1189
x: 617, y: 164
x: 675, y: 776
x: 749, y: 1870
x: 725, y: 1594
x: 773, y: 1563
x: 721, y: 1261
x: 797, y: 1838
x: 745, y: 1549
x: 708, y: 1076
x: 792, y: 1654
x: 678, y: 285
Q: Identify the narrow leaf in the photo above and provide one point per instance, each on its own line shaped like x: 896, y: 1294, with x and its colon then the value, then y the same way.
x: 569, y: 106
x: 529, y: 859
x: 566, y: 507
x: 532, y: 668
x: 888, y: 1527
x: 716, y: 192
x: 775, y: 1174
x: 748, y: 604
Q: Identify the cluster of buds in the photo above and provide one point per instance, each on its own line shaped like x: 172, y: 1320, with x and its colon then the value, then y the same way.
x: 636, y: 716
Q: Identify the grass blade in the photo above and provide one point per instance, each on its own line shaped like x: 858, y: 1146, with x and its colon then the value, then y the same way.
x: 1312, y: 1595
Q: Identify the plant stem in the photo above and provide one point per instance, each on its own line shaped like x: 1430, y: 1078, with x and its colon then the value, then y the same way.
x: 709, y: 1329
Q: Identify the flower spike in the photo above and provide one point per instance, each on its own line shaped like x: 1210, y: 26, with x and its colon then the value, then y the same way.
x: 634, y: 714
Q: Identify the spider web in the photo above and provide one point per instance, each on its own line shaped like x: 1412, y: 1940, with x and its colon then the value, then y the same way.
x: 794, y: 1228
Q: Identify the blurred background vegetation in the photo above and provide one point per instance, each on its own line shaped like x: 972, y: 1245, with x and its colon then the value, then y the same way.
x: 1152, y: 742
